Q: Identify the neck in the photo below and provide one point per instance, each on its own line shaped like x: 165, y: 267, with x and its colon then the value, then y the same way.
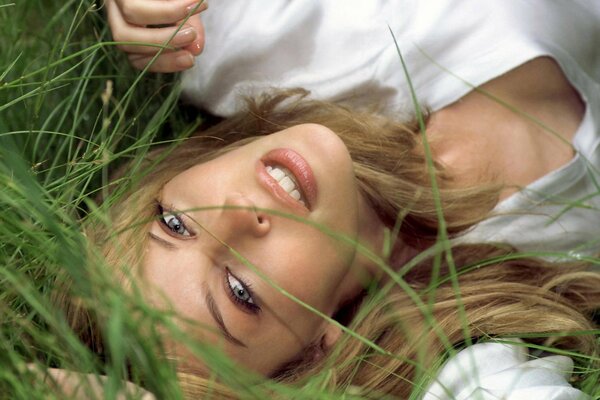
x: 511, y: 131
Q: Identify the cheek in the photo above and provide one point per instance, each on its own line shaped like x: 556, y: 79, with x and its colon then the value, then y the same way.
x: 168, y: 281
x: 177, y: 286
x: 310, y: 266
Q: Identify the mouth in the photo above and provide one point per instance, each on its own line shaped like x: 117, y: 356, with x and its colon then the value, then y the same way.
x: 289, y: 178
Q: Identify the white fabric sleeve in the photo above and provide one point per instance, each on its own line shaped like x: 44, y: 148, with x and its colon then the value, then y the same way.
x: 494, y: 371
x: 343, y: 51
x: 337, y: 50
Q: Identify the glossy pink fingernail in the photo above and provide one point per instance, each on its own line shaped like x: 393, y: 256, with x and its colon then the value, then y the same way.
x: 184, y: 36
x: 195, y: 48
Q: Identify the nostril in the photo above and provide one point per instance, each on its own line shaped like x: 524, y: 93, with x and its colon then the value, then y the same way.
x: 263, y: 226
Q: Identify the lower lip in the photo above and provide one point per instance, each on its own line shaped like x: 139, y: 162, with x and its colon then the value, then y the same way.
x: 302, y: 172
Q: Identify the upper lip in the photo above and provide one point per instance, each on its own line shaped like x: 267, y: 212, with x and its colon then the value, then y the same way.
x: 302, y: 174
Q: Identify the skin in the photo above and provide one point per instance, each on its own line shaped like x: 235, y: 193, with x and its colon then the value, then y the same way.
x: 174, y: 23
x: 67, y: 384
x: 480, y: 140
x: 181, y: 267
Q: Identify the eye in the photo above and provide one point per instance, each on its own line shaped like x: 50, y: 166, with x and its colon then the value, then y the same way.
x: 240, y: 293
x: 173, y: 222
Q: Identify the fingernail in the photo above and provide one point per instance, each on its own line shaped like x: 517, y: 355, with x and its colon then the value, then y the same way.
x: 195, y: 48
x: 200, y: 8
x: 184, y: 61
x: 185, y: 35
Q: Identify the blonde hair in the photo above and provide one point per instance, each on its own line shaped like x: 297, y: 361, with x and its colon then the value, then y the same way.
x: 387, y: 155
x: 500, y: 299
x: 550, y: 303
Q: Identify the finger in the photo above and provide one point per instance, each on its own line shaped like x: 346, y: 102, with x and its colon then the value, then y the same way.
x: 169, y: 62
x: 124, y: 32
x: 155, y: 12
x: 197, y: 44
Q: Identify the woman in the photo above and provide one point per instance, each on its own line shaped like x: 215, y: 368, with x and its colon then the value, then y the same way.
x: 530, y: 126
x: 544, y: 79
x: 261, y: 272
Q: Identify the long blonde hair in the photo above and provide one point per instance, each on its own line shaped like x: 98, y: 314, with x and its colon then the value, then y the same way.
x: 409, y: 333
x: 500, y: 299
x: 498, y: 295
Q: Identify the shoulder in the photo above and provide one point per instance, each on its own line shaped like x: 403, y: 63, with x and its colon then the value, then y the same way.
x: 498, y: 370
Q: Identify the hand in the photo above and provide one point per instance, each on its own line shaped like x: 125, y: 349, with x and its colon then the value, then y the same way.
x: 155, y: 22
x: 76, y: 385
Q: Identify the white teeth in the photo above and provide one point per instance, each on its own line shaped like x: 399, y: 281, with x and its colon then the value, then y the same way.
x: 276, y: 173
x: 286, y: 182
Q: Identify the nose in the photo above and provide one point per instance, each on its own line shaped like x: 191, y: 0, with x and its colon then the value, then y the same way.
x: 240, y: 218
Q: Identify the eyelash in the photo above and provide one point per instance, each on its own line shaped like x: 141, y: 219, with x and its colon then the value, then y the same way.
x: 248, y: 306
x: 161, y: 213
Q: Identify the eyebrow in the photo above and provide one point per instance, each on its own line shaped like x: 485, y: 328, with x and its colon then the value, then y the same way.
x: 218, y: 317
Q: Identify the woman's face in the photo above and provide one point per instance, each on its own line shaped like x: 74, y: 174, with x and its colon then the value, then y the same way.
x: 269, y: 195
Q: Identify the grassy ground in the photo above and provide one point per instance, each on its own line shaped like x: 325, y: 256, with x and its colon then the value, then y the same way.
x: 72, y: 111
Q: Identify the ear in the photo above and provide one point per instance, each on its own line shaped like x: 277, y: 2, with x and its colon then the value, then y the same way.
x: 332, y: 334
x: 329, y: 338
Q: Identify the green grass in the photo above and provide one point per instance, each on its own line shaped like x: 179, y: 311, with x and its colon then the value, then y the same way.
x: 69, y: 116
x: 71, y: 112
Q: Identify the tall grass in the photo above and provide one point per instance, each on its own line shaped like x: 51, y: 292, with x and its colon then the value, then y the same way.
x: 69, y: 115
x: 71, y: 112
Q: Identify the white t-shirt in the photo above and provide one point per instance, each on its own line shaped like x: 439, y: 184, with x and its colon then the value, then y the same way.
x: 344, y: 52
x: 493, y: 371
